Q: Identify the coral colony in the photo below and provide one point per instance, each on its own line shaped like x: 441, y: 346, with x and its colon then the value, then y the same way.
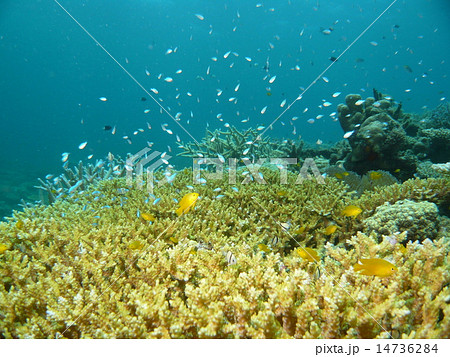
x: 364, y: 254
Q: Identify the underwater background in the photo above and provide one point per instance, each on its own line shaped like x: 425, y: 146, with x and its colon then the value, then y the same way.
x: 342, y: 234
x: 53, y: 74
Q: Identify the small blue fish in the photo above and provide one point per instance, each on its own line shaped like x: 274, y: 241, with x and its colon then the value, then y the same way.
x: 75, y: 187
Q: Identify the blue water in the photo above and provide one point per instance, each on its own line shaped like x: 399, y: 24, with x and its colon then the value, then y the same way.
x: 53, y: 73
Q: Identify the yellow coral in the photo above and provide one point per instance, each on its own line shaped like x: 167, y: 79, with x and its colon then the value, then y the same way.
x: 72, y: 274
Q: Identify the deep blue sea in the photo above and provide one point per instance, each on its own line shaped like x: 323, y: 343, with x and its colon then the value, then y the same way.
x: 53, y: 73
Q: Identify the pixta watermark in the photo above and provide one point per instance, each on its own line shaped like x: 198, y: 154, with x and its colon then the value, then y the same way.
x: 135, y: 172
x: 140, y: 169
x: 307, y: 171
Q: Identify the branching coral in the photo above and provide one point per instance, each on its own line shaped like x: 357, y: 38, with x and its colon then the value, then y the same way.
x: 81, y: 176
x: 70, y: 269
x: 233, y: 143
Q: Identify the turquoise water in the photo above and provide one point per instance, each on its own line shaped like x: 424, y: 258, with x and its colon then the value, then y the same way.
x: 53, y: 73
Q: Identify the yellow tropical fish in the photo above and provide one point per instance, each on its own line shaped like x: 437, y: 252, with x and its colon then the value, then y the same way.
x: 3, y: 248
x: 282, y: 193
x: 264, y: 248
x: 148, y: 217
x: 136, y: 245
x: 300, y: 230
x: 174, y: 240
x: 351, y: 211
x: 330, y: 229
x: 308, y: 254
x: 375, y: 175
x: 338, y: 175
x: 19, y: 224
x: 345, y: 173
x: 187, y: 202
x: 375, y: 266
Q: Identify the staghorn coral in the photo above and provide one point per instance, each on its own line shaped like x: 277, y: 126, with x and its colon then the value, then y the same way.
x: 81, y: 176
x: 248, y: 143
x: 70, y: 272
x: 419, y: 219
x: 234, y: 143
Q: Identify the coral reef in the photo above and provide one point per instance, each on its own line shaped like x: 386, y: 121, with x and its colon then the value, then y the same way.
x: 426, y: 169
x: 437, y: 141
x: 418, y: 219
x: 444, y: 169
x: 439, y: 117
x: 92, y: 265
x: 81, y: 176
x: 234, y: 143
x: 378, y: 140
x: 383, y: 137
x: 360, y: 184
x: 379, y: 136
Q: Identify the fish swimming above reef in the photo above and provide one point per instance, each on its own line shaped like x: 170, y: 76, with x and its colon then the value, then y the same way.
x: 376, y: 267
x: 308, y: 254
x: 187, y: 202
x: 351, y: 211
x: 264, y: 248
x: 407, y: 68
x: 326, y: 31
x: 148, y: 217
x: 136, y: 245
x: 3, y: 248
x: 375, y: 175
x: 329, y: 230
